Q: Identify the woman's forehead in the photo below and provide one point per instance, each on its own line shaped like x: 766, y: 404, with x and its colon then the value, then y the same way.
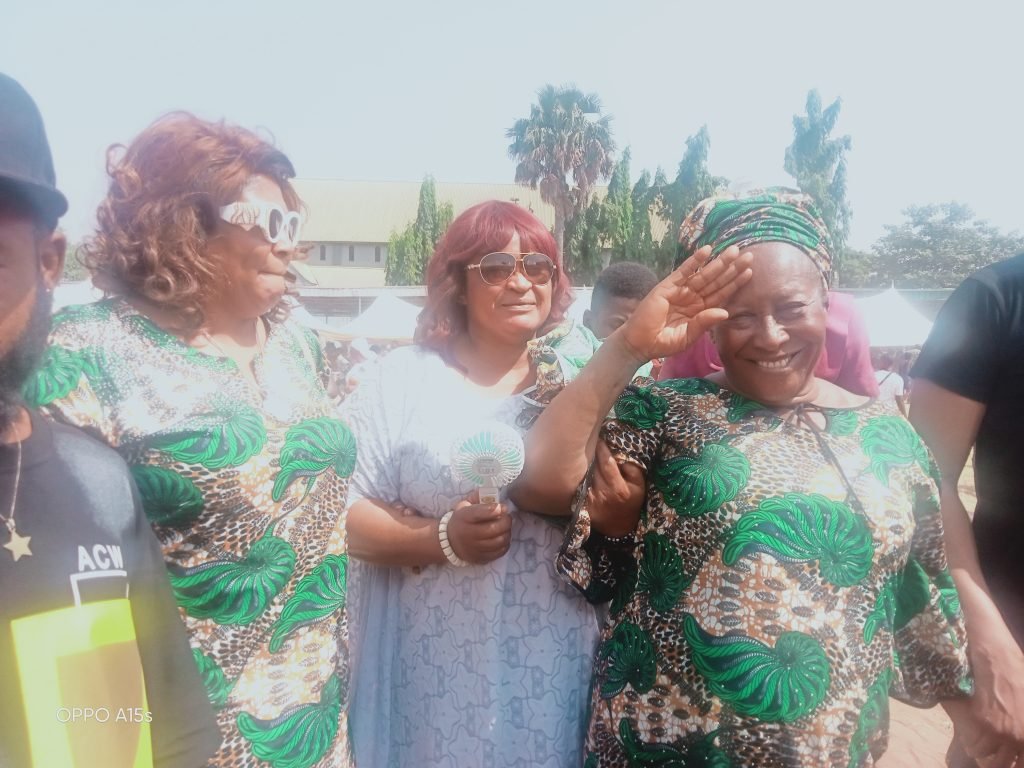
x: 780, y: 270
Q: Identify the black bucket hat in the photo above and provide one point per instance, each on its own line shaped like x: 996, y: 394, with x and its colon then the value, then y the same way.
x: 26, y: 166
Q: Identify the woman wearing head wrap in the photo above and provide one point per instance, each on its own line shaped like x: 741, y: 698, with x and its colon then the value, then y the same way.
x: 787, y: 571
x: 845, y: 358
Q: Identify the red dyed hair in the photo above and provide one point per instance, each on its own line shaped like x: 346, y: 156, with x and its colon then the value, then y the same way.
x: 477, y: 231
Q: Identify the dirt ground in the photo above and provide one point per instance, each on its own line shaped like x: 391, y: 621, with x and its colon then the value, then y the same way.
x: 918, y: 738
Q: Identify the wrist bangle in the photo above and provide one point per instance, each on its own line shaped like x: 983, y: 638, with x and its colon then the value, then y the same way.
x: 446, y: 547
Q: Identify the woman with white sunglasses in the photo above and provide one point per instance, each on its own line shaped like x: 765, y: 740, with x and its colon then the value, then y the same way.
x: 191, y: 369
x: 468, y: 650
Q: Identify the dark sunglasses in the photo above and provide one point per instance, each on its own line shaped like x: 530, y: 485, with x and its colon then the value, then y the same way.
x: 496, y: 268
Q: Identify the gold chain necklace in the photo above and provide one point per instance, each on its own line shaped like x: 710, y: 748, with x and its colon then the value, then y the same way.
x: 18, y: 545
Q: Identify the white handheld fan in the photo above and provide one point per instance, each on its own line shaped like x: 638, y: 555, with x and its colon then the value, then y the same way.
x: 490, y: 458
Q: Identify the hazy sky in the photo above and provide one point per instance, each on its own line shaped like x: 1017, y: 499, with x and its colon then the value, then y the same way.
x: 933, y: 92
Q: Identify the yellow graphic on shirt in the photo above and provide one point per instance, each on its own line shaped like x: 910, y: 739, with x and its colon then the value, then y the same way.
x: 82, y: 687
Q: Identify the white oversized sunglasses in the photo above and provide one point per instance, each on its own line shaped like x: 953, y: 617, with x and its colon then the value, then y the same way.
x: 276, y: 224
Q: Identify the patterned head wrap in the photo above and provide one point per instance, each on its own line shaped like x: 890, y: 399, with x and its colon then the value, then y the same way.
x: 774, y: 214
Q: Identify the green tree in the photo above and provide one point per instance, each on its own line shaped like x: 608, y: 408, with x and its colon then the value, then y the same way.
x: 860, y: 270
x: 641, y: 242
x: 617, y: 222
x: 675, y: 199
x: 411, y: 249
x: 940, y: 245
x: 563, y: 149
x: 693, y: 182
x: 585, y: 238
x: 818, y: 163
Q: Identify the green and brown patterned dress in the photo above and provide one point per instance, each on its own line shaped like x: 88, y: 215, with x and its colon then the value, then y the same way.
x: 786, y: 577
x: 246, y: 490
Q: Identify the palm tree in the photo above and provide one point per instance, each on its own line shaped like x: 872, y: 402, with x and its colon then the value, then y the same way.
x: 564, y: 138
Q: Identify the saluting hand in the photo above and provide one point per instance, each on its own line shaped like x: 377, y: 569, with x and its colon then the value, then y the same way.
x: 685, y: 304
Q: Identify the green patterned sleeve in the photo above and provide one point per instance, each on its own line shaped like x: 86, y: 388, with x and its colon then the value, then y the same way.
x: 595, y: 564
x: 928, y: 628
x: 72, y: 384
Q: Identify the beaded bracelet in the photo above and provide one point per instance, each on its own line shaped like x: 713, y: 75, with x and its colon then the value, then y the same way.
x: 446, y: 547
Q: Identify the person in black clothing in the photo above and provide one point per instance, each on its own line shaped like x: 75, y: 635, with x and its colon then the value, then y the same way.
x: 969, y: 391
x: 95, y: 667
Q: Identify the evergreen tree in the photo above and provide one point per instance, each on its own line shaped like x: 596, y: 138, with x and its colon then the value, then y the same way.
x: 818, y: 163
x: 693, y: 181
x: 617, y: 222
x: 411, y: 249
x: 641, y: 243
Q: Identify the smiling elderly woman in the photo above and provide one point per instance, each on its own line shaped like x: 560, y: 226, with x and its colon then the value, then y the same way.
x: 193, y: 372
x: 787, y: 571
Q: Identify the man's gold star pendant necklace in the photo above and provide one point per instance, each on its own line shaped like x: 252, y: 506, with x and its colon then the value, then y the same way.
x: 18, y: 545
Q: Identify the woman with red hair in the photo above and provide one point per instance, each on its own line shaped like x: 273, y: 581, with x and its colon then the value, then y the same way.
x: 468, y: 649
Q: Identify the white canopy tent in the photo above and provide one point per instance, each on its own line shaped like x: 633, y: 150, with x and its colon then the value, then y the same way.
x: 892, y: 321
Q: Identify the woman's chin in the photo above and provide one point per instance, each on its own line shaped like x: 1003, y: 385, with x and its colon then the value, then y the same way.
x: 772, y: 388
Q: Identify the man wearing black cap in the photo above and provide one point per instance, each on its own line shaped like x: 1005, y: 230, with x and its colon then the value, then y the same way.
x: 95, y: 668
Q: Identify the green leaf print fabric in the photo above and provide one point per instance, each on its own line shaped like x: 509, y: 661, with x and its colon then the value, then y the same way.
x: 630, y: 661
x: 801, y: 527
x: 696, y: 486
x: 235, y: 591
x: 168, y: 497
x: 317, y: 596
x: 780, y: 683
x: 783, y: 579
x: 244, y: 478
x: 298, y: 739
x: 230, y: 436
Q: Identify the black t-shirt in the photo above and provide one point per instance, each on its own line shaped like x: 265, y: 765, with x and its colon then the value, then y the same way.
x: 95, y: 667
x: 976, y: 349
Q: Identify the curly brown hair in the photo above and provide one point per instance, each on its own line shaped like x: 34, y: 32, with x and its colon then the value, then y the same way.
x: 166, y: 189
x: 479, y: 230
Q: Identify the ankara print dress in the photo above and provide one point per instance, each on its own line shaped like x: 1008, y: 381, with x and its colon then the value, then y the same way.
x: 783, y: 581
x: 246, y: 490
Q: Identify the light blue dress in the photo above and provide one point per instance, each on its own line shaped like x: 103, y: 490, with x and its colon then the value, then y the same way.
x: 485, y: 665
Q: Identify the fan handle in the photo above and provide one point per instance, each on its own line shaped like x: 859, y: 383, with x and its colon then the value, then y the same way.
x: 488, y: 494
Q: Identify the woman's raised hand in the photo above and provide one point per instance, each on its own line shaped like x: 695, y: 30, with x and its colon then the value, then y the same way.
x: 685, y: 304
